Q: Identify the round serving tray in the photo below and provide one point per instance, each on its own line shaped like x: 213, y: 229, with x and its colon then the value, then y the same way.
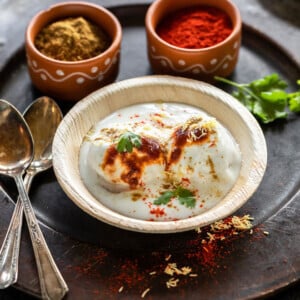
x: 97, y: 259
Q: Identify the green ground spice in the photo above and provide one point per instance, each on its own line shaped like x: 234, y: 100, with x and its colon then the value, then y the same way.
x: 72, y: 39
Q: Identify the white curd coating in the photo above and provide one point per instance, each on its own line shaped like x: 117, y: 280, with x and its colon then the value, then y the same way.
x: 182, y: 147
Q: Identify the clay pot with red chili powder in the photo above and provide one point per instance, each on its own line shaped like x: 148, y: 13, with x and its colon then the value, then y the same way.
x: 193, y: 38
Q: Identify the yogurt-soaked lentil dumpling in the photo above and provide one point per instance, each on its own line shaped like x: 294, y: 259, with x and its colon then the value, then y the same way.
x: 159, y: 161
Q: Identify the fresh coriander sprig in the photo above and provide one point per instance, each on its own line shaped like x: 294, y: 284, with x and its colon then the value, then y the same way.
x: 184, y: 196
x: 266, y: 97
x: 294, y: 100
x: 127, y: 141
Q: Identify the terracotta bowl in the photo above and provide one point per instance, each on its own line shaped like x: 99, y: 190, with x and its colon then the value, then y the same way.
x: 98, y: 105
x: 66, y: 80
x: 202, y: 63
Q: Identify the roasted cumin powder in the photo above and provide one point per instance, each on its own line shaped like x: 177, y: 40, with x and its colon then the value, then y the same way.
x: 72, y: 39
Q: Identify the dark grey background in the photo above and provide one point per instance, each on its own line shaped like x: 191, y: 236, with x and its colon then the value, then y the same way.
x: 278, y: 19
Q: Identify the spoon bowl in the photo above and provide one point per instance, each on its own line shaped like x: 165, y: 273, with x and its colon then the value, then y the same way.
x: 42, y: 111
x: 16, y: 148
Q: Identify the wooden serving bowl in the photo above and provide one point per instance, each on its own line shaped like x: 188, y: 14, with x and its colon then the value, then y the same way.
x: 227, y: 110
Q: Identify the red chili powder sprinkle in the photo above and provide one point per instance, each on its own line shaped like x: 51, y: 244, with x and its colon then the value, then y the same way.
x: 158, y: 212
x: 186, y: 180
x: 195, y: 27
x: 135, y: 116
x: 212, y: 144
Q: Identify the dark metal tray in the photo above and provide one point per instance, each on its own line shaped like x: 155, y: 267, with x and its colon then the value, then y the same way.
x: 97, y: 259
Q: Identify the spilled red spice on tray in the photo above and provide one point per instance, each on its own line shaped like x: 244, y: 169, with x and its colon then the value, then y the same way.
x: 195, y: 27
x: 205, y: 251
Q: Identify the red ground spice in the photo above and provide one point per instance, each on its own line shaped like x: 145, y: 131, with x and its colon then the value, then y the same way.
x: 195, y: 27
x: 131, y: 273
x: 158, y: 212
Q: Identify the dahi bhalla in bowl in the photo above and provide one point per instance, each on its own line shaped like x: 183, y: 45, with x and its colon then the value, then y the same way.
x: 159, y: 161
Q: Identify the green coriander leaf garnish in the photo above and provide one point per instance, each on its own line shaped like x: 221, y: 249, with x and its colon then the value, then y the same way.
x: 266, y: 97
x: 184, y: 196
x: 181, y: 192
x: 187, y: 201
x: 165, y: 198
x: 127, y: 141
x: 294, y: 100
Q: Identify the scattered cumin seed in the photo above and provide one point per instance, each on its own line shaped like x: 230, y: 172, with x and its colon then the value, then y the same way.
x: 198, y: 229
x: 172, y: 282
x: 145, y: 292
x: 168, y: 257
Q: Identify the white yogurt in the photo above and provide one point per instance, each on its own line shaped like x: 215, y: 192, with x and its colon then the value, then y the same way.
x: 182, y: 148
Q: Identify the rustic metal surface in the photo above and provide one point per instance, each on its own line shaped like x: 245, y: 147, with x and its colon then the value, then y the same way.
x: 95, y: 258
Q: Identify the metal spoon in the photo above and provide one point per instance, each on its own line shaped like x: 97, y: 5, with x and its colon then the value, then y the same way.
x: 42, y: 111
x: 16, y: 154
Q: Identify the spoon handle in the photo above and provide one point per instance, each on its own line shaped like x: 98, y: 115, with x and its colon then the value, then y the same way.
x: 52, y: 283
x: 9, y: 252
